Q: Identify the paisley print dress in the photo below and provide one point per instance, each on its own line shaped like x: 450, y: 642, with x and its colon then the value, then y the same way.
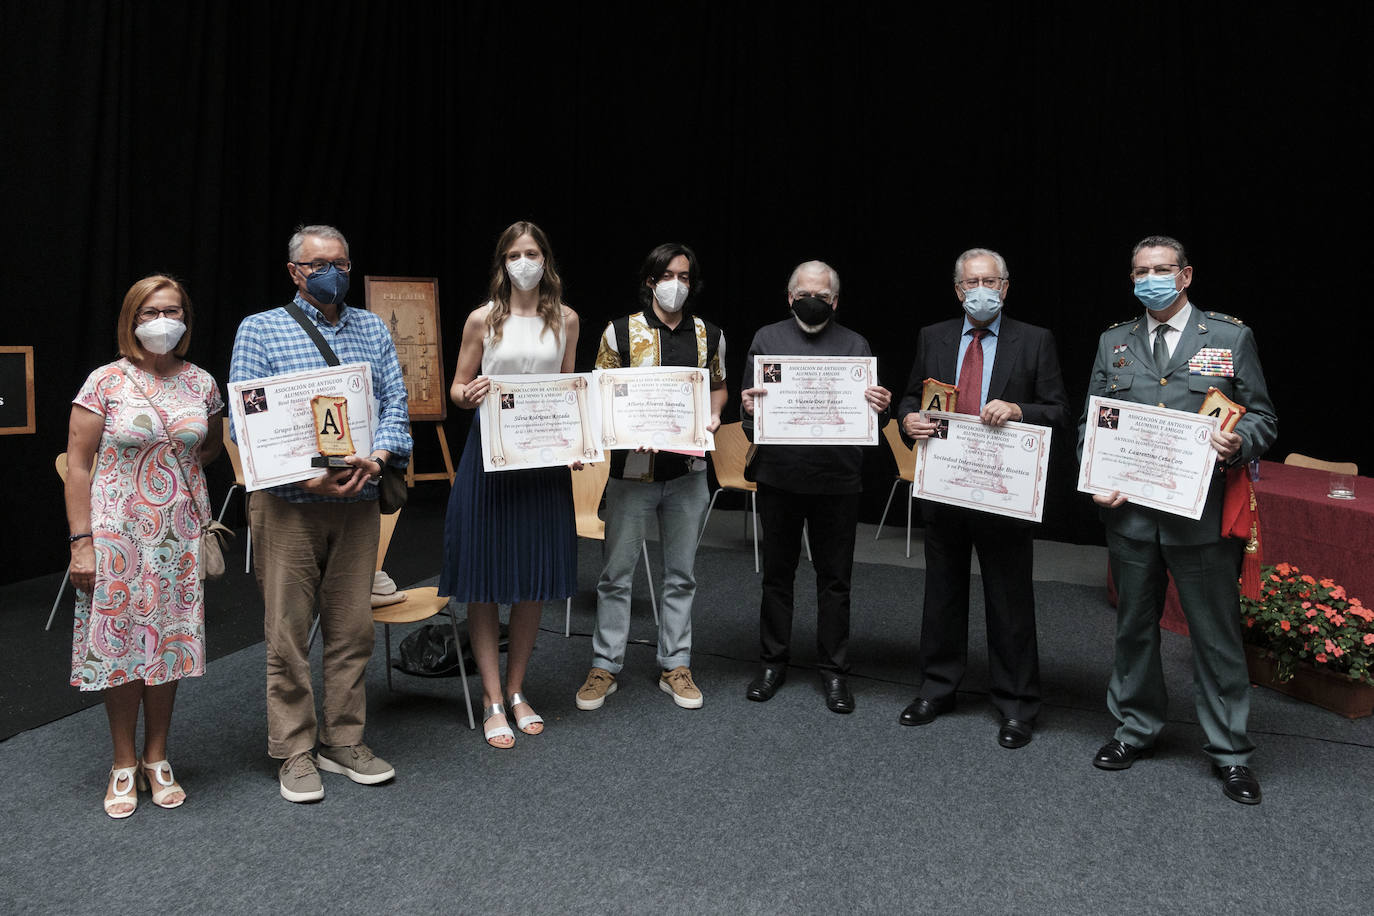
x: 145, y: 618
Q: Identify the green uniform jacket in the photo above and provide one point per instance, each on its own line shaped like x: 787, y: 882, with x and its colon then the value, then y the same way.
x: 1125, y: 369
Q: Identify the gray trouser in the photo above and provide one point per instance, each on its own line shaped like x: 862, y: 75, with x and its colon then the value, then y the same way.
x: 679, y: 505
x: 1206, y: 578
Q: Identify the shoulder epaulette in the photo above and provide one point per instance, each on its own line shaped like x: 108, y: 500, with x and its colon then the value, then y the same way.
x: 1222, y: 316
x: 1120, y: 323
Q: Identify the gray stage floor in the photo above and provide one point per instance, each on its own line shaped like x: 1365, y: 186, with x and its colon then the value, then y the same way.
x: 739, y: 807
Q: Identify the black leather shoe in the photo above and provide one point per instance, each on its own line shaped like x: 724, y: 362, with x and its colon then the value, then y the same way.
x: 762, y: 688
x: 1239, y: 784
x: 1118, y: 755
x: 923, y: 711
x: 1015, y: 733
x: 837, y: 695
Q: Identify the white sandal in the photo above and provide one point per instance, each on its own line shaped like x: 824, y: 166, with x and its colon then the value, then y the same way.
x: 502, y: 731
x: 523, y: 722
x: 126, y: 776
x: 162, y: 786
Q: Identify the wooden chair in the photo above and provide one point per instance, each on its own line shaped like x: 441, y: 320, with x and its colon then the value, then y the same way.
x: 732, y: 447
x: 906, y: 471
x: 1331, y: 467
x: 420, y: 604
x: 61, y: 465
x: 231, y: 447
x: 588, y: 486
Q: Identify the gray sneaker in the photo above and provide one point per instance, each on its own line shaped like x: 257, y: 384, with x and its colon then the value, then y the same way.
x: 300, y: 781
x: 357, y: 762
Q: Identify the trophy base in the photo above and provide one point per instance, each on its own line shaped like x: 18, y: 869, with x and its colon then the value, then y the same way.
x: 329, y: 461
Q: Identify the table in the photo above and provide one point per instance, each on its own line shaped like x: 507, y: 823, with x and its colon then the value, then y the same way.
x: 1299, y: 524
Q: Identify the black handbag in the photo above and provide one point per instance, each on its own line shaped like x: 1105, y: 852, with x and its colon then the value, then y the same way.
x: 392, y: 491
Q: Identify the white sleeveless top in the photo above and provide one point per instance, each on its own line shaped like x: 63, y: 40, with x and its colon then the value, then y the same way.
x: 525, y: 348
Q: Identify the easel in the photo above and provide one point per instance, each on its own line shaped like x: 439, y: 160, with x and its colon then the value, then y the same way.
x: 446, y: 473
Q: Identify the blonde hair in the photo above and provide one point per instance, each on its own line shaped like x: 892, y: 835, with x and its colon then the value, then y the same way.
x: 550, y: 286
x: 134, y: 299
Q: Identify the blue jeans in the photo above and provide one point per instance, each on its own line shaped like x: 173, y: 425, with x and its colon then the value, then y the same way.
x: 680, y: 506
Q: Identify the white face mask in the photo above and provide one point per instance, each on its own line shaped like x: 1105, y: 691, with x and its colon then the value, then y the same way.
x: 161, y: 335
x: 671, y: 295
x: 525, y: 273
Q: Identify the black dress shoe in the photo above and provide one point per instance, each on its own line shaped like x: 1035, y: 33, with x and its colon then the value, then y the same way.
x: 1239, y: 784
x: 762, y: 688
x: 923, y: 711
x: 1015, y: 733
x: 1118, y: 755
x: 837, y: 695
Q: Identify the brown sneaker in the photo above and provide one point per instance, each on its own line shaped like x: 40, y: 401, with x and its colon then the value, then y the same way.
x: 678, y: 684
x: 599, y: 685
x: 300, y: 780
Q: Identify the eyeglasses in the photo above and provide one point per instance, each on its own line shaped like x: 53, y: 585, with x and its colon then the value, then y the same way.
x: 824, y: 295
x: 342, y: 265
x: 1159, y: 270
x: 988, y: 282
x: 150, y: 313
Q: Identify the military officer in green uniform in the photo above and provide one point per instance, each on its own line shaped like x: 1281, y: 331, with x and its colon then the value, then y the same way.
x: 1170, y: 356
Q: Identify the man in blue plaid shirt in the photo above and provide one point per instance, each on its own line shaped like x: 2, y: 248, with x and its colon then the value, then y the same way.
x: 317, y: 539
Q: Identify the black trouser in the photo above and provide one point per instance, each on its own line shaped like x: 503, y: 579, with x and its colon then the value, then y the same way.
x: 830, y: 522
x: 1005, y: 558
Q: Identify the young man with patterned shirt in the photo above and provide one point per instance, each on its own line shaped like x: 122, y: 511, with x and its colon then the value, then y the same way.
x: 648, y: 483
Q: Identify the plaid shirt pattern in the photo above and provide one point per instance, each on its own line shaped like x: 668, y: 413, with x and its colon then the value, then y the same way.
x: 272, y: 343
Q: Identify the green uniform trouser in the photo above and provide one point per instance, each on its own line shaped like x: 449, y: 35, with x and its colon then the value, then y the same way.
x: 1206, y: 577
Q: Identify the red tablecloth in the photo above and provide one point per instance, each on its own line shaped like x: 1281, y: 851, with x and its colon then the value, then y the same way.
x: 1328, y: 538
x: 1301, y: 525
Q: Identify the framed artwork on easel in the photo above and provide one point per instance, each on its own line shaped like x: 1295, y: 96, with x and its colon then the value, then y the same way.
x: 410, y: 308
x: 16, y: 391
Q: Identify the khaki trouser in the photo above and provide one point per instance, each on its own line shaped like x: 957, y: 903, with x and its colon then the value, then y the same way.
x: 303, y: 552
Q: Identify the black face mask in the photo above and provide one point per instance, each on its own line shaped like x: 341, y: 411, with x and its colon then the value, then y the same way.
x: 810, y: 310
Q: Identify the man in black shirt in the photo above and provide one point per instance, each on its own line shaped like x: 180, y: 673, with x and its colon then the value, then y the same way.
x: 819, y: 484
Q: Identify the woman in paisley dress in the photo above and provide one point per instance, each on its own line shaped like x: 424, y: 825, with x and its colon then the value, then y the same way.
x: 141, y: 430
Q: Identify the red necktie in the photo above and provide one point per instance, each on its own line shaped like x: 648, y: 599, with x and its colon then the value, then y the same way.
x: 971, y: 375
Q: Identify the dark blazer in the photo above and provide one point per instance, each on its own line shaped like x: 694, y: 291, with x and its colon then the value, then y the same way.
x: 1025, y: 372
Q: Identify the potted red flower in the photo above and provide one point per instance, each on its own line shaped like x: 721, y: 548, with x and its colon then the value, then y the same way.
x: 1306, y: 637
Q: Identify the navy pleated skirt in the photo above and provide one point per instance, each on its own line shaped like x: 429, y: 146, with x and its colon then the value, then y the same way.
x: 509, y: 535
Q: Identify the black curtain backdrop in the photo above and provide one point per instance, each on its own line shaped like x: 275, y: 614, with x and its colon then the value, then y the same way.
x: 883, y: 138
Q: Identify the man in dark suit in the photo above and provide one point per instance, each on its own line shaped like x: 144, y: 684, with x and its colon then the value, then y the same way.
x: 1170, y: 356
x: 1005, y: 370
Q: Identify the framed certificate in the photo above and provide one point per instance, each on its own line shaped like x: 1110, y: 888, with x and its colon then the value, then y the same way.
x: 410, y: 308
x: 997, y: 469
x: 16, y: 391
x: 275, y: 424
x: 1154, y: 456
x: 662, y: 407
x: 815, y: 400
x: 540, y: 421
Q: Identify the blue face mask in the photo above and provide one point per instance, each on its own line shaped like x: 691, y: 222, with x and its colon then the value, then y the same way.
x: 982, y: 304
x: 1156, y: 292
x: 327, y: 286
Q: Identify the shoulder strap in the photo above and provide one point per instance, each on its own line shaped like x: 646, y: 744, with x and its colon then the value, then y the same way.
x: 622, y: 339
x: 296, y: 312
x: 167, y: 432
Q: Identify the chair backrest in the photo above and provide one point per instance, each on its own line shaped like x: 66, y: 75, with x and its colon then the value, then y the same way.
x: 732, y: 448
x: 905, y: 457
x: 1332, y: 467
x: 232, y: 448
x: 384, y: 541
x: 61, y: 464
x: 588, y: 484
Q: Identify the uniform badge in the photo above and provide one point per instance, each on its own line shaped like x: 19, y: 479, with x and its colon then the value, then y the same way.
x: 1214, y: 361
x: 1118, y: 348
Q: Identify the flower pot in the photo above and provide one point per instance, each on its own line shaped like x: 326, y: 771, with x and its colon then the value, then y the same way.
x: 1311, y: 684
